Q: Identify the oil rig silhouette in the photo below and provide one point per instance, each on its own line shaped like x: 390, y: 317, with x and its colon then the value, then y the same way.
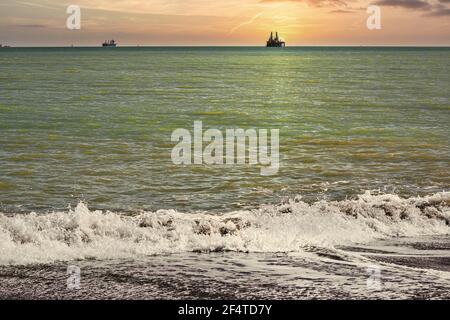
x: 275, y: 43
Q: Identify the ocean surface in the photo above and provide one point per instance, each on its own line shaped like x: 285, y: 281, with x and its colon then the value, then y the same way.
x: 360, y: 207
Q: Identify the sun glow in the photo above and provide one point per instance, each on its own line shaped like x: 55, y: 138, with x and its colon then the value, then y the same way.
x: 225, y: 22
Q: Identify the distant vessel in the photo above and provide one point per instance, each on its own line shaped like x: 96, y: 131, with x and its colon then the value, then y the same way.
x: 110, y: 43
x: 275, y: 43
x: 4, y: 46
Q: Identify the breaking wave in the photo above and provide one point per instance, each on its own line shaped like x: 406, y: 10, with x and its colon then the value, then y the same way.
x: 291, y: 226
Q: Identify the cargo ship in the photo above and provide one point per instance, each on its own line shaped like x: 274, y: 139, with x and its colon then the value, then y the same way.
x: 110, y: 43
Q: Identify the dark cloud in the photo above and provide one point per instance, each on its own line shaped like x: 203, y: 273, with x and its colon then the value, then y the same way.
x: 437, y: 10
x: 31, y: 26
x: 440, y: 9
x: 408, y: 4
x: 340, y: 11
x: 441, y: 12
x: 315, y: 3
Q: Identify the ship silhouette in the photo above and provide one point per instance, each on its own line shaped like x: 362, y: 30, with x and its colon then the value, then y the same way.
x: 110, y: 43
x: 275, y: 42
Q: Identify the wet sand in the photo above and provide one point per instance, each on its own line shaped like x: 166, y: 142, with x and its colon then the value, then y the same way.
x: 228, y: 275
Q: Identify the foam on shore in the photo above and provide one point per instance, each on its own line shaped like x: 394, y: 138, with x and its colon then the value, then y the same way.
x: 288, y: 227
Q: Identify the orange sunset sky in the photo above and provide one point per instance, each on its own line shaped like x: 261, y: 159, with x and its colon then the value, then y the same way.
x: 224, y: 22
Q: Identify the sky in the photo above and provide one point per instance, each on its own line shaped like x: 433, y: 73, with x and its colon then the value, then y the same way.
x: 224, y: 22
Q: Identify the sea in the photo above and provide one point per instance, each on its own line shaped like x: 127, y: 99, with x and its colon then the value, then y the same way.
x: 92, y: 205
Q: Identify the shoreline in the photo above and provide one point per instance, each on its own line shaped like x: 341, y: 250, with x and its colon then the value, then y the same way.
x: 232, y: 275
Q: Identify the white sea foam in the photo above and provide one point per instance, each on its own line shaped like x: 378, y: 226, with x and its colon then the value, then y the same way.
x: 292, y: 226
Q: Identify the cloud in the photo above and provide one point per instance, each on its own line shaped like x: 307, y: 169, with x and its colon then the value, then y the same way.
x: 315, y: 3
x: 31, y: 26
x: 340, y: 11
x: 38, y: 5
x: 440, y: 12
x: 437, y: 10
x: 408, y: 4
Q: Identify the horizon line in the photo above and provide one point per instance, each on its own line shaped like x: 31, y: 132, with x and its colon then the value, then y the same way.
x: 236, y: 46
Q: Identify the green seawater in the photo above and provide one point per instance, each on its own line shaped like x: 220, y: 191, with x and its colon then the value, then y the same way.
x: 95, y: 124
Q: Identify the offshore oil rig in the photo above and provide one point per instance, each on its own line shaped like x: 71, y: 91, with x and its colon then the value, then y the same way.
x: 275, y: 43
